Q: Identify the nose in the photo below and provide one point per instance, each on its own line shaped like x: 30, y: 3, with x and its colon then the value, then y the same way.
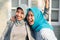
x: 19, y: 14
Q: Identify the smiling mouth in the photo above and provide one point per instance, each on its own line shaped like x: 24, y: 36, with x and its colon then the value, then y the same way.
x: 30, y: 21
x: 18, y: 16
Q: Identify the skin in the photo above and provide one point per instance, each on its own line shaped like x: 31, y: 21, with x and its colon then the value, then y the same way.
x: 47, y: 3
x: 30, y: 18
x: 19, y: 15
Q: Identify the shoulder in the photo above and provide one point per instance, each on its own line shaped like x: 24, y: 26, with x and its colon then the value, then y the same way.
x: 10, y: 23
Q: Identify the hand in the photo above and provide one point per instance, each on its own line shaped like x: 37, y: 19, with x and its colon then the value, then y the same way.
x: 46, y: 1
x: 13, y: 19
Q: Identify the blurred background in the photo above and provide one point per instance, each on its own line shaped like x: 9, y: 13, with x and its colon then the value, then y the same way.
x: 8, y: 8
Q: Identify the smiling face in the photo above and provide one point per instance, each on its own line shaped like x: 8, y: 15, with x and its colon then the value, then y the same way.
x: 30, y: 18
x: 19, y: 15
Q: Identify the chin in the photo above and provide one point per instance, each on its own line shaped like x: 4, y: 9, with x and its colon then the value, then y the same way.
x: 19, y: 19
x: 31, y: 23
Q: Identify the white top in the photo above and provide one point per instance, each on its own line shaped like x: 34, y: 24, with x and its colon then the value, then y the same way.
x: 18, y: 32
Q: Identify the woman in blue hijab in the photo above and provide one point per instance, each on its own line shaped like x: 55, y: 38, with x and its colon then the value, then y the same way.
x: 42, y: 29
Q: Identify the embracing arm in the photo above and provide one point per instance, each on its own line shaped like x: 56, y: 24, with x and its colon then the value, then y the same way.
x: 9, y: 24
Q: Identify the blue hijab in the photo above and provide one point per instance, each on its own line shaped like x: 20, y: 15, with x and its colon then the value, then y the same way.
x: 39, y: 20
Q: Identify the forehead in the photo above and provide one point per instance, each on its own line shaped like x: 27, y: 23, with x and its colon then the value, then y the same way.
x: 20, y: 10
x: 30, y: 12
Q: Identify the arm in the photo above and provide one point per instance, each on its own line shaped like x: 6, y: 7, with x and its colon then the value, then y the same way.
x: 47, y: 3
x: 9, y: 24
x: 46, y: 9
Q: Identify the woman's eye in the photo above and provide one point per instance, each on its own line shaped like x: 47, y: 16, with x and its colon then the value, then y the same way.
x: 22, y: 13
x: 31, y: 15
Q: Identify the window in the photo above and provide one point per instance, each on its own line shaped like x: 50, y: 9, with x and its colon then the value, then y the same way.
x: 17, y: 3
x: 34, y: 3
x: 53, y: 18
x: 55, y: 12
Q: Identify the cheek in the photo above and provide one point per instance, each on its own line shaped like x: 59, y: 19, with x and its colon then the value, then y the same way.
x: 22, y: 15
x: 33, y: 18
x: 16, y: 13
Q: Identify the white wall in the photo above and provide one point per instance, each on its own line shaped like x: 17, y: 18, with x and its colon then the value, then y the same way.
x: 4, y: 5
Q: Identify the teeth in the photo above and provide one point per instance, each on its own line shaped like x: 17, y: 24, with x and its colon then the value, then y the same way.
x: 30, y: 21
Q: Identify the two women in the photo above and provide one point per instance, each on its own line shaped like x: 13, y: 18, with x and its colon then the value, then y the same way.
x: 17, y: 29
x: 41, y: 29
